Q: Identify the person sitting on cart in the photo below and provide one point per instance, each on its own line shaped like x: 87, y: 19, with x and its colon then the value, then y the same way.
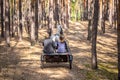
x: 55, y: 37
x: 49, y: 46
x: 62, y: 45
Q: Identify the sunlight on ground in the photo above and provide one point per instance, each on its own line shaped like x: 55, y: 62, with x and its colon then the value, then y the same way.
x: 22, y: 61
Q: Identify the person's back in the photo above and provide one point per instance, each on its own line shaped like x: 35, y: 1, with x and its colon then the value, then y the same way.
x: 49, y: 46
x: 61, y: 45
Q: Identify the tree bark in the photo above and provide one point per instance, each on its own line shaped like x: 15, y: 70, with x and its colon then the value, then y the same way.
x: 7, y: 27
x: 67, y: 13
x: 56, y: 13
x: 39, y: 14
x: 50, y: 17
x: 118, y: 37
x: 32, y: 22
x: 36, y: 20
x: 103, y: 17
x: 111, y: 13
x: 13, y: 21
x: 20, y: 20
x: 2, y: 18
x: 102, y: 14
x: 94, y: 34
x: 90, y: 12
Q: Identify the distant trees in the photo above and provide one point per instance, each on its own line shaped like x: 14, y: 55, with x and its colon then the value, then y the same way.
x: 17, y: 15
x: 106, y: 12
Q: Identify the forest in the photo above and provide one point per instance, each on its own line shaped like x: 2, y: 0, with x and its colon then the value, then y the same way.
x: 91, y: 27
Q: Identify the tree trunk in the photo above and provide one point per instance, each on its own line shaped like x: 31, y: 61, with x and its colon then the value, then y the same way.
x: 90, y: 12
x: 103, y: 17
x: 36, y: 20
x: 12, y: 13
x: 102, y: 14
x: 111, y: 13
x: 20, y: 20
x: 32, y: 33
x: 39, y: 12
x: 118, y: 37
x: 7, y: 27
x: 56, y: 13
x: 67, y: 13
x: 2, y: 18
x: 115, y: 14
x: 89, y: 30
x: 28, y: 16
x: 94, y: 34
x: 32, y: 22
x: 13, y: 19
x: 50, y: 17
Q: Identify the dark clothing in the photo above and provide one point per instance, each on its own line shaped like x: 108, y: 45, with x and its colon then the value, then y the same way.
x: 49, y: 46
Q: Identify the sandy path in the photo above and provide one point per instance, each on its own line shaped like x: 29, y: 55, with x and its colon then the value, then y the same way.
x: 22, y: 61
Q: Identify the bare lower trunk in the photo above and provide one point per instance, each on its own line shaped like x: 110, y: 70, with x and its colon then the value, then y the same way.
x: 2, y: 19
x: 67, y: 13
x: 102, y: 12
x: 103, y: 17
x: 94, y: 34
x: 20, y: 20
x: 89, y: 30
x: 118, y: 37
x: 32, y: 33
x: 50, y: 17
x: 7, y: 27
x: 32, y: 22
x: 36, y: 20
x: 111, y: 13
x: 90, y: 12
x: 39, y: 14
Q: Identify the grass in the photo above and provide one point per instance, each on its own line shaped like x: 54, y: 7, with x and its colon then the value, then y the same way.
x: 102, y: 73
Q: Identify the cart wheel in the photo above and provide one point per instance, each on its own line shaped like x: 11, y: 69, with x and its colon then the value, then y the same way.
x: 42, y: 61
x: 70, y: 64
x: 42, y: 64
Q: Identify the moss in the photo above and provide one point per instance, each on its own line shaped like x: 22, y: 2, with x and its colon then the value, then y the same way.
x: 103, y: 73
x: 110, y: 74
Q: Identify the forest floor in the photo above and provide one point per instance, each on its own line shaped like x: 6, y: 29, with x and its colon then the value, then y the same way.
x: 21, y: 61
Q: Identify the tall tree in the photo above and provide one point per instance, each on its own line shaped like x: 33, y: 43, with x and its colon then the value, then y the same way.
x: 94, y: 33
x: 50, y: 17
x: 67, y: 12
x: 118, y: 36
x: 115, y: 14
x: 102, y: 15
x: 7, y: 27
x: 90, y: 12
x: 111, y: 12
x: 56, y: 13
x: 12, y: 13
x: 2, y: 18
x: 36, y: 19
x: 39, y: 13
x: 32, y: 22
x: 20, y: 20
